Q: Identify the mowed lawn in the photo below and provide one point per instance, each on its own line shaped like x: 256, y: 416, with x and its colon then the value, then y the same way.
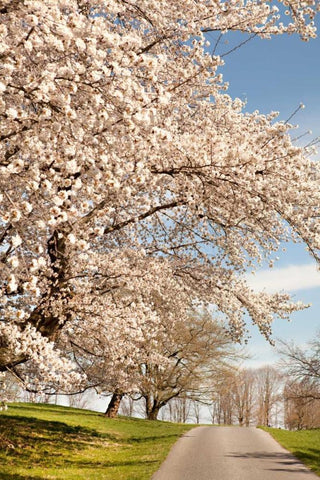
x: 304, y: 444
x: 39, y: 441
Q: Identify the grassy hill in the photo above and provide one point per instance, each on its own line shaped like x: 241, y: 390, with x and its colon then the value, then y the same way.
x: 304, y: 444
x: 39, y: 441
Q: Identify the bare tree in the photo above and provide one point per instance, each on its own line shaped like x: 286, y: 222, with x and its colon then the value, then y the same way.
x: 222, y: 407
x: 127, y: 406
x: 244, y: 396
x: 79, y: 400
x: 268, y: 394
x: 301, y: 409
x: 179, y: 409
x: 196, y: 409
x: 302, y: 389
x: 303, y: 365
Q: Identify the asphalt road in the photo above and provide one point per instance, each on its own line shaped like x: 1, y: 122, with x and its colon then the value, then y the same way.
x: 230, y: 453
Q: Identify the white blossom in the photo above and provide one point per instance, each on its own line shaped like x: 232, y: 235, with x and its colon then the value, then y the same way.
x: 12, y: 113
x: 134, y: 186
x: 16, y: 240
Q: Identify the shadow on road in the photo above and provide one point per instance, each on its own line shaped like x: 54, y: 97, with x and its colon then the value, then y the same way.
x: 281, y: 458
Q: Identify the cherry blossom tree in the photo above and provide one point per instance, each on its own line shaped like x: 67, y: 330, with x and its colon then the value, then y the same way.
x: 163, y: 355
x: 119, y: 146
x: 127, y: 326
x: 195, y: 350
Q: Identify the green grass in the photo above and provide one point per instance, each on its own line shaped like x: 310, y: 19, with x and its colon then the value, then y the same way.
x: 304, y: 444
x: 40, y: 441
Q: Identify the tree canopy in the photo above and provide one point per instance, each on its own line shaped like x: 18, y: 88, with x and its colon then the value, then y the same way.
x: 128, y: 173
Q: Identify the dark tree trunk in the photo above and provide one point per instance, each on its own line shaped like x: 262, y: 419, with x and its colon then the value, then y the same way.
x: 153, y: 413
x: 153, y: 407
x: 114, y: 405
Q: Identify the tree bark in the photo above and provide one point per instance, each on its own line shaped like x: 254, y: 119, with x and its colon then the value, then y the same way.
x: 153, y: 413
x: 114, y: 405
x: 153, y: 407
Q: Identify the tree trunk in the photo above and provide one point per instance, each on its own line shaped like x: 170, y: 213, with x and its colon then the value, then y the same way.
x: 153, y: 413
x: 152, y: 407
x: 114, y: 405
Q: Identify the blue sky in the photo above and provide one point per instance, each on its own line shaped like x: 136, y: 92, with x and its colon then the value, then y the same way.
x: 278, y: 75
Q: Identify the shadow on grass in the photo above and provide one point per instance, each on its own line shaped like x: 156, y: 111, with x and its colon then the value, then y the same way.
x: 107, y: 464
x: 16, y: 424
x: 310, y: 456
x: 42, y: 443
x: 312, y: 453
x: 31, y: 441
x: 8, y: 476
x: 153, y: 438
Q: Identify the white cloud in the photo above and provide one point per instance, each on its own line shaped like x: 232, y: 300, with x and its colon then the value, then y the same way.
x: 291, y: 278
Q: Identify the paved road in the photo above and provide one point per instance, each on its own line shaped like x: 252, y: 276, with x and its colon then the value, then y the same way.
x: 230, y: 453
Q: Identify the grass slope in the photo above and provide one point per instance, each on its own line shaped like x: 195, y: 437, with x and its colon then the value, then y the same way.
x: 39, y: 441
x: 304, y: 444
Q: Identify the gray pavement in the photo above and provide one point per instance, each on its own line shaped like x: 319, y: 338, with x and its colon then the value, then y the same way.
x: 230, y: 453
